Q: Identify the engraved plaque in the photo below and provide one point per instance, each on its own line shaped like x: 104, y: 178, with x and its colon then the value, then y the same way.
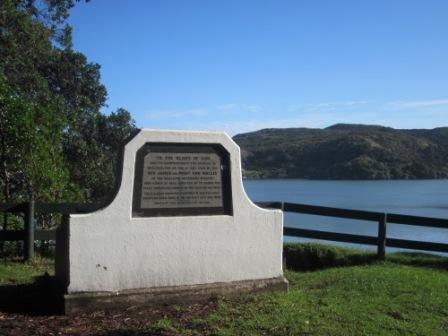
x: 182, y: 179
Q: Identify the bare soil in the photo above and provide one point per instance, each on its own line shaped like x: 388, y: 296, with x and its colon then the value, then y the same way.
x: 32, y: 310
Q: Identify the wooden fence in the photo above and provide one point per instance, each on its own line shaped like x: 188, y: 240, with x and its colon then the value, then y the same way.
x: 381, y: 240
x: 28, y: 210
x: 29, y: 234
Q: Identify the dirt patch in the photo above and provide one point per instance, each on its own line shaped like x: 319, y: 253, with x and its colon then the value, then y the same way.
x: 132, y: 321
x: 33, y: 309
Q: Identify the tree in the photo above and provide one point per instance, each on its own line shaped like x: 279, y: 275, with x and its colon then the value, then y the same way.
x: 56, y: 144
x: 31, y: 160
x: 94, y: 153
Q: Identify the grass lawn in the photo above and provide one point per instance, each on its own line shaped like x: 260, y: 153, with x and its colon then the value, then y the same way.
x: 17, y: 272
x: 382, y: 298
x: 405, y: 295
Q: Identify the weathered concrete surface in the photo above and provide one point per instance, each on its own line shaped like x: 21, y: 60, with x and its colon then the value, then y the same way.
x: 90, y: 301
x: 111, y: 251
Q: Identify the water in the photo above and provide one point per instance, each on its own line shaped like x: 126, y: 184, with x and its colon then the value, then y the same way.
x: 411, y: 197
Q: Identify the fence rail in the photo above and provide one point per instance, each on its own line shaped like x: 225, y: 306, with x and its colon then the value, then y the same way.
x: 381, y: 240
x: 29, y: 234
x: 15, y: 235
x: 29, y: 209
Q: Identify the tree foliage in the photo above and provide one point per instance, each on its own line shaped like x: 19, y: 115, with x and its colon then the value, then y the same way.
x: 31, y: 154
x: 55, y: 142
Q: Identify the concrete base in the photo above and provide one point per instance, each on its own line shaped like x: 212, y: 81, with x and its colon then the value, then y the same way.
x: 83, y: 302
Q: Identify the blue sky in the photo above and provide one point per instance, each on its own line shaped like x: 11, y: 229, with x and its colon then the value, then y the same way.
x: 240, y: 66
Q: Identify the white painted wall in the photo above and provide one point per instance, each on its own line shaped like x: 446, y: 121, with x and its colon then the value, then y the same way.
x: 111, y: 251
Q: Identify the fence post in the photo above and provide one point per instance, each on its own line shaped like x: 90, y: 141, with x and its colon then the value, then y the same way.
x: 382, y: 228
x: 4, y: 228
x: 29, y: 230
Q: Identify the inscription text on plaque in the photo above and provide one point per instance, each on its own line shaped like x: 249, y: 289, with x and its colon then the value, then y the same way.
x: 181, y: 179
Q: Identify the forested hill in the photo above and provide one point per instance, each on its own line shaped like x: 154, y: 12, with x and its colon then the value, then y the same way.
x: 345, y: 151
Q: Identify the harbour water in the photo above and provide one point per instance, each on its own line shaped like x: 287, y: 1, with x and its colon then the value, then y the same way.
x: 411, y: 197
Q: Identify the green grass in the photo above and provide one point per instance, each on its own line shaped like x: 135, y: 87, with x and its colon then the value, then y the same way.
x: 342, y: 292
x: 380, y: 299
x: 405, y: 295
x: 314, y: 256
x: 18, y: 272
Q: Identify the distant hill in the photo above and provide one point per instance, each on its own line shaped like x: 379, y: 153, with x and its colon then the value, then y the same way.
x: 345, y: 151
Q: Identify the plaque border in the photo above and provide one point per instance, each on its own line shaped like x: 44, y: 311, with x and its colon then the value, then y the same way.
x: 175, y: 147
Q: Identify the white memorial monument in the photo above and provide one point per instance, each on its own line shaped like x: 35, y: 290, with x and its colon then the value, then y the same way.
x: 180, y: 227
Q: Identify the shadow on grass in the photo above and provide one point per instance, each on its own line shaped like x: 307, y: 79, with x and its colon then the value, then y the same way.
x: 313, y: 256
x: 419, y: 259
x: 37, y: 298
